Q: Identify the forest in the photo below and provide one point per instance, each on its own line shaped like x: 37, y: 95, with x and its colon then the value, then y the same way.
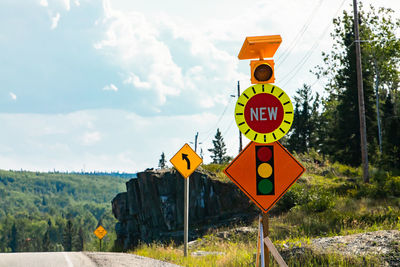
x: 55, y: 211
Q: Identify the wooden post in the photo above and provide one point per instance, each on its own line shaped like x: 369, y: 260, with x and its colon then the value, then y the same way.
x: 100, y: 245
x: 361, y: 105
x: 281, y: 262
x: 265, y: 224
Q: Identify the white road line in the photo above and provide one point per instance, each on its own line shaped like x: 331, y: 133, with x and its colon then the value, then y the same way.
x: 68, y: 260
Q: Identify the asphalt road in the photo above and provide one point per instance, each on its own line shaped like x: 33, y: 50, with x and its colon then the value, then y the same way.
x: 77, y: 259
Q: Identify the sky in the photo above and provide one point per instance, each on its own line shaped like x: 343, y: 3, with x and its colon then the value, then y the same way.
x: 110, y: 85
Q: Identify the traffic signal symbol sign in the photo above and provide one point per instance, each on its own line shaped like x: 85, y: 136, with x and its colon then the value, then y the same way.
x: 264, y: 172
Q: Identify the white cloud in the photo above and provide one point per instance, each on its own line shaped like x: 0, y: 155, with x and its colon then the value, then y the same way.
x: 104, y: 139
x: 135, y: 80
x: 91, y: 138
x: 110, y: 87
x: 164, y: 56
x: 132, y: 40
x: 44, y: 3
x: 67, y: 4
x: 77, y: 3
x: 13, y: 96
x: 55, y: 20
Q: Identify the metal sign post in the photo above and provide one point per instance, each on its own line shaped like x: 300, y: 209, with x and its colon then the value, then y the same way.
x: 265, y: 231
x: 186, y: 162
x: 186, y: 217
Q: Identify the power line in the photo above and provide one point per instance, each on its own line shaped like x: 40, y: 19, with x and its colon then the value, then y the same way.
x: 293, y: 72
x: 300, y: 34
x: 209, y: 132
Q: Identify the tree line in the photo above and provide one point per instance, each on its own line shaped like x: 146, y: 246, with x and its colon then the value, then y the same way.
x: 330, y: 124
x: 55, y: 211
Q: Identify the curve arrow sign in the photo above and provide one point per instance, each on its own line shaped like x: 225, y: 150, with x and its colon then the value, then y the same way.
x: 185, y: 157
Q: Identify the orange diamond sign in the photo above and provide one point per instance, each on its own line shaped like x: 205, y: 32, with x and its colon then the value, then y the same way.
x: 264, y: 172
x: 186, y: 161
x: 100, y: 232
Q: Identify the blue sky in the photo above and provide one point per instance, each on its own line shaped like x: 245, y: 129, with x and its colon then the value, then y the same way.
x: 110, y: 85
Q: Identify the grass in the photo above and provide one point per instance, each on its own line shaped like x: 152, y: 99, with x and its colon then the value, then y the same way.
x: 329, y: 200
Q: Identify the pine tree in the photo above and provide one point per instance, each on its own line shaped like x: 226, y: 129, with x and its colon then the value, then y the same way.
x: 14, y: 239
x: 305, y: 122
x: 340, y: 125
x: 162, y: 163
x: 68, y: 236
x: 46, y: 241
x: 219, y: 151
x: 390, y: 135
x: 79, y: 242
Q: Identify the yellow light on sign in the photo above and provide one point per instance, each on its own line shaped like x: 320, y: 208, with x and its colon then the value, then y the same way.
x: 261, y: 47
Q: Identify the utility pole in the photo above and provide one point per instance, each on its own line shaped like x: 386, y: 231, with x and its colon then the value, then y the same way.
x: 240, y: 133
x: 195, y: 141
x: 361, y: 106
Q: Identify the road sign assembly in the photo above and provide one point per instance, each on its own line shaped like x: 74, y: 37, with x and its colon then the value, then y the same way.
x: 264, y: 172
x: 186, y: 161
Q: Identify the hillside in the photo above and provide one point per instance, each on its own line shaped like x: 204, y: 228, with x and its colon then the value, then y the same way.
x: 328, y: 200
x: 37, y: 206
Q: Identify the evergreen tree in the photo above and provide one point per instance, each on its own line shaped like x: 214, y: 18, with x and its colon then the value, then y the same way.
x: 340, y: 120
x: 14, y: 239
x: 68, y: 236
x: 219, y: 150
x: 305, y: 122
x: 162, y: 163
x: 46, y: 241
x: 46, y: 238
x: 390, y: 135
x: 79, y: 242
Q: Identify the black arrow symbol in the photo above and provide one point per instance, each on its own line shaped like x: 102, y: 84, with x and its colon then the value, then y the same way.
x: 185, y: 157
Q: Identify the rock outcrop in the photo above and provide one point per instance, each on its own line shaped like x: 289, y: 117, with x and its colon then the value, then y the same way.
x: 152, y: 207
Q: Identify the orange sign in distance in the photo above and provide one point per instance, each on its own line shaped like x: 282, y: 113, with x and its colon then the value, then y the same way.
x: 100, y: 232
x: 186, y: 161
x: 264, y: 172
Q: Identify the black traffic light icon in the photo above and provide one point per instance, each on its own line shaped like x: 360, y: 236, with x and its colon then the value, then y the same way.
x: 265, y: 176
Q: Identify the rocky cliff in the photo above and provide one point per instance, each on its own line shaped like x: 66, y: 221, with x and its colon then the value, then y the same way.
x: 152, y: 207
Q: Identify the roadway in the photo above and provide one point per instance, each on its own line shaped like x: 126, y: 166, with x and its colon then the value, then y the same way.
x: 77, y: 259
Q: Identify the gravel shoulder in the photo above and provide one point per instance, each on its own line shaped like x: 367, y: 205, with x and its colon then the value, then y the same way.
x: 109, y: 259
